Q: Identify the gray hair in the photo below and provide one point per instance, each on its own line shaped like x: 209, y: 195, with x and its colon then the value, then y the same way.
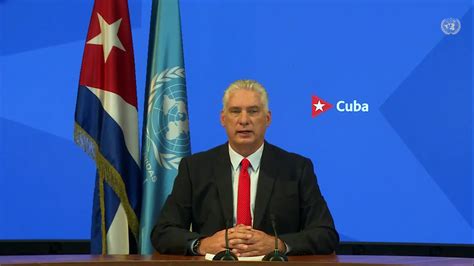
x: 246, y: 84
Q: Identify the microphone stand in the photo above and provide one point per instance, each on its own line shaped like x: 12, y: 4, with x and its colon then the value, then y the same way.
x: 226, y: 255
x: 275, y: 255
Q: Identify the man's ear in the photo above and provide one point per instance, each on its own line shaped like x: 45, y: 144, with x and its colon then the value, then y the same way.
x: 222, y: 118
x: 269, y: 117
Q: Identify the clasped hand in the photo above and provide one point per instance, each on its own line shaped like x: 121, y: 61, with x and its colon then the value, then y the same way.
x: 244, y: 241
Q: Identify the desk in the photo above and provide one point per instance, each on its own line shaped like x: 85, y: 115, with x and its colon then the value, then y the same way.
x: 168, y: 260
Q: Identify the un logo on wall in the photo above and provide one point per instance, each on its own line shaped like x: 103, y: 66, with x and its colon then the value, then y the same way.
x: 450, y: 26
x: 168, y: 130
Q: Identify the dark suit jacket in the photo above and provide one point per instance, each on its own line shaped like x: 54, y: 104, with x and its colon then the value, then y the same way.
x: 287, y: 188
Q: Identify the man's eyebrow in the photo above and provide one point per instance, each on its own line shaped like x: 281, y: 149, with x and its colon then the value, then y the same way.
x: 234, y: 108
x: 239, y: 107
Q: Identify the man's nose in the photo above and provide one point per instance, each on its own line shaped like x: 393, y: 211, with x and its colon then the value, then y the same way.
x: 244, y: 118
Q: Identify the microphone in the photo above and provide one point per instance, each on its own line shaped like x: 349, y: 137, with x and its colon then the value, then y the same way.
x: 226, y: 255
x: 275, y: 255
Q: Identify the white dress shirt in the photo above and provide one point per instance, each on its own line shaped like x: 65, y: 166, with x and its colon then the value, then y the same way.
x: 254, y: 170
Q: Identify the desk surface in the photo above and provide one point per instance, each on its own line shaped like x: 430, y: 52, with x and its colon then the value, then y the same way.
x: 195, y: 261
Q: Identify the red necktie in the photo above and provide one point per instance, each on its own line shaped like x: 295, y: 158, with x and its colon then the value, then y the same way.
x: 243, y: 200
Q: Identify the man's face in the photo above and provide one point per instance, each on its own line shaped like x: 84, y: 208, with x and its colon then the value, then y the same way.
x: 245, y: 120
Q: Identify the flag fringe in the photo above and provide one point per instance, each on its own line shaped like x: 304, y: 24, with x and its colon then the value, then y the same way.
x: 110, y: 175
x: 102, y: 216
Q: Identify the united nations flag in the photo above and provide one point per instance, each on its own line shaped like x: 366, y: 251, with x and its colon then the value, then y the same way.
x: 165, y: 129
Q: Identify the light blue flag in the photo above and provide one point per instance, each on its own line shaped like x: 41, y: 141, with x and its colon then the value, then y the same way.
x: 166, y: 129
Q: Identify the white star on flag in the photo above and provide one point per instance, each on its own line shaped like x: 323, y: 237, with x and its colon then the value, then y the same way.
x: 319, y: 106
x: 108, y: 36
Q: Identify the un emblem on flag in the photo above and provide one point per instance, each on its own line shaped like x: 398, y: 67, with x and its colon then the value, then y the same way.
x: 450, y: 26
x: 168, y: 125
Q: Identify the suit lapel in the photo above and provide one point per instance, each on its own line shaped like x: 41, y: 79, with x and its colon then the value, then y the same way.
x: 223, y: 179
x: 266, y: 180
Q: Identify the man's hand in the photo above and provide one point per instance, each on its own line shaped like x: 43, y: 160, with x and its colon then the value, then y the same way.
x: 212, y: 244
x: 216, y: 242
x: 254, y: 242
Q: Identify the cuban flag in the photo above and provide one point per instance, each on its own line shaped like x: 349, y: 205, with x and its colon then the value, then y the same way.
x: 106, y: 127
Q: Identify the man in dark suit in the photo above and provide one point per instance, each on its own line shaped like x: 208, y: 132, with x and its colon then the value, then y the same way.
x: 241, y: 185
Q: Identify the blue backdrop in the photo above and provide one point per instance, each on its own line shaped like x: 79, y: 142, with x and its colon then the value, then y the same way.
x: 401, y: 172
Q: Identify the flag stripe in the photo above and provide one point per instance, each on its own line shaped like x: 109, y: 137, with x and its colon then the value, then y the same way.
x: 113, y: 203
x: 104, y: 130
x: 96, y: 223
x: 124, y: 114
x: 119, y: 224
x: 110, y: 175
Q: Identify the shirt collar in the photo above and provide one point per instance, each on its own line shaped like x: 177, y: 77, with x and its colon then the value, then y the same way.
x: 254, y: 158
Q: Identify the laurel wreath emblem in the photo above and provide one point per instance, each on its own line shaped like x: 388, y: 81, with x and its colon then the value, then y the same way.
x: 160, y: 79
x: 166, y: 160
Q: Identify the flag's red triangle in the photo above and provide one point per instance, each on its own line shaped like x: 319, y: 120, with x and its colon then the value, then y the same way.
x: 319, y: 106
x: 116, y: 73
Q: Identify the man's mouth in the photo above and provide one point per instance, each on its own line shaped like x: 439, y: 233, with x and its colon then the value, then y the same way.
x: 244, y: 132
